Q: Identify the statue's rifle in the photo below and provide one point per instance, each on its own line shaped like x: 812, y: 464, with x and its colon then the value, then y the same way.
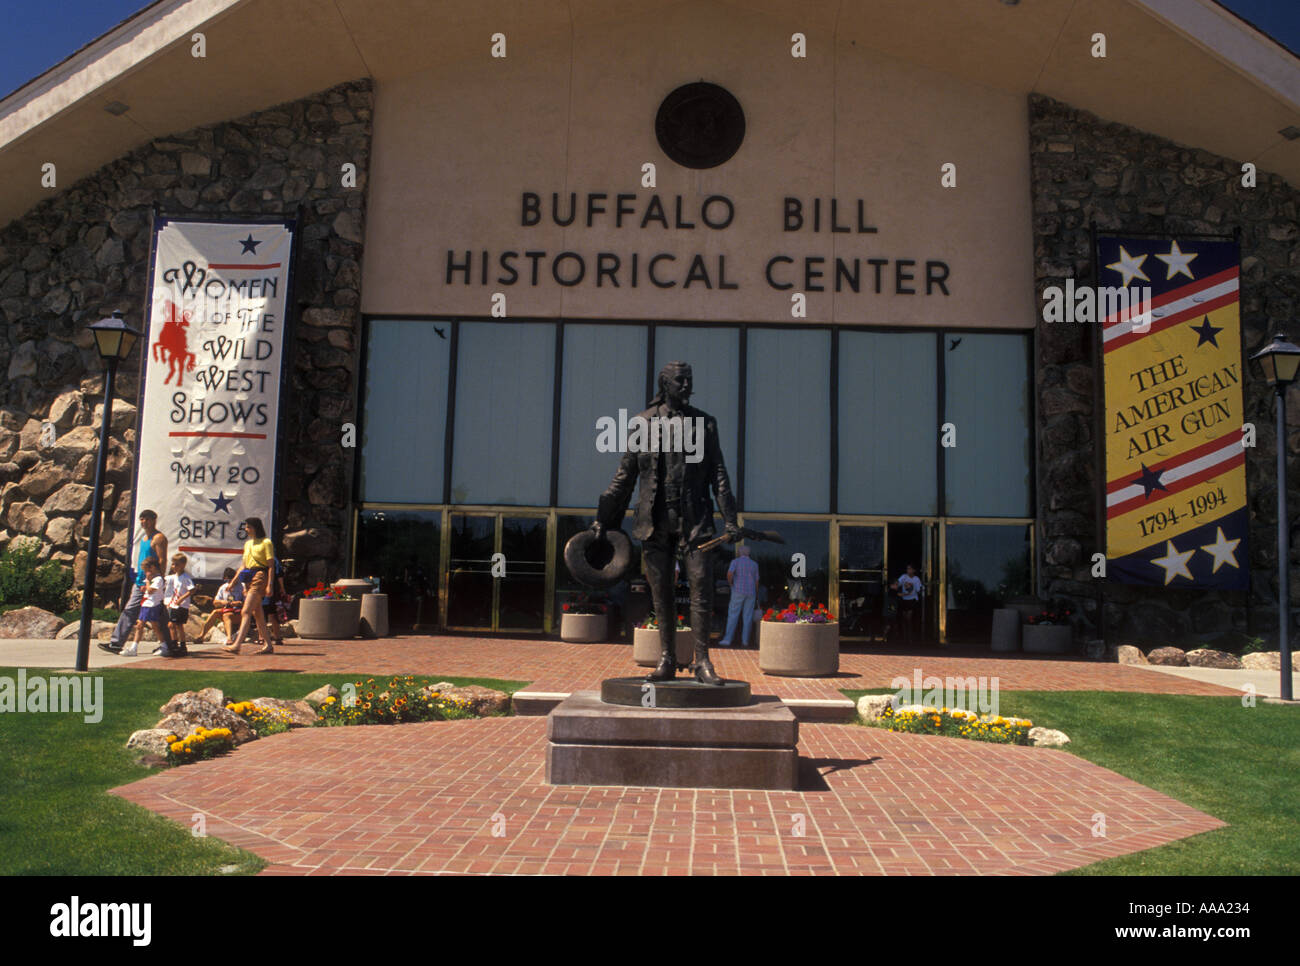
x: 745, y: 534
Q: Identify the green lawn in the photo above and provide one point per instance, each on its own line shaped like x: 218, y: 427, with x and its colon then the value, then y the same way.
x: 56, y: 817
x: 1237, y: 764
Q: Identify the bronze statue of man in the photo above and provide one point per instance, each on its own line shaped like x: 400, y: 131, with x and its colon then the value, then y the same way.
x: 674, y: 513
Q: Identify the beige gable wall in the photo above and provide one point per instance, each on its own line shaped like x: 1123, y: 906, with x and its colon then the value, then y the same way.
x: 454, y: 149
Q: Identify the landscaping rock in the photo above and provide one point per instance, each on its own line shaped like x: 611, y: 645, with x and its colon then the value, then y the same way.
x: 1268, y: 661
x: 1208, y: 657
x: 185, y: 713
x: 289, y: 629
x: 29, y: 622
x: 317, y: 697
x: 482, y: 700
x: 97, y: 628
x: 1048, y: 737
x: 301, y: 714
x: 1128, y: 654
x: 1168, y: 656
x: 213, y: 696
x: 151, y: 741
x: 871, y: 706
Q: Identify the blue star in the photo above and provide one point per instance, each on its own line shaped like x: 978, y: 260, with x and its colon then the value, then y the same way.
x: 249, y: 245
x: 1207, y: 333
x: 1150, y: 480
x: 220, y: 502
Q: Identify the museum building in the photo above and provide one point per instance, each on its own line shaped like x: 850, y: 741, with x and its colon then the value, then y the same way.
x: 510, y: 216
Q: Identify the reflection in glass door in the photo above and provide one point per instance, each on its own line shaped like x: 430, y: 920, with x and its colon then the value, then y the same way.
x: 470, y: 589
x: 478, y: 600
x: 862, y: 581
x: 521, y: 593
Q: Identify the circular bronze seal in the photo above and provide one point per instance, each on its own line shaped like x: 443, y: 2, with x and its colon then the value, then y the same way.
x: 700, y: 125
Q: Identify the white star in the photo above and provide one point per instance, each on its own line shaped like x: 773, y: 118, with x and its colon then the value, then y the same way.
x: 1176, y: 263
x: 1222, y: 548
x: 1129, y: 267
x: 1174, y: 563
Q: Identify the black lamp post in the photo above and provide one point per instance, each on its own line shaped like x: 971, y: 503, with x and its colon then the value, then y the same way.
x: 115, y: 341
x: 1280, y: 361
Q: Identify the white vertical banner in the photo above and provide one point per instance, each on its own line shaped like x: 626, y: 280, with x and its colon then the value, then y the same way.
x: 210, y: 399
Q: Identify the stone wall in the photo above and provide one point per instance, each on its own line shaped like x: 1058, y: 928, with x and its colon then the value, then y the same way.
x: 1085, y: 169
x: 83, y: 253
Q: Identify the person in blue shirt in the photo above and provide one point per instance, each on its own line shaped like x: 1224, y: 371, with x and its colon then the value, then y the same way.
x: 151, y: 546
x: 742, y: 575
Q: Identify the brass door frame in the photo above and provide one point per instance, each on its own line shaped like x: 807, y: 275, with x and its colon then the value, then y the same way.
x: 934, y: 547
x: 497, y: 514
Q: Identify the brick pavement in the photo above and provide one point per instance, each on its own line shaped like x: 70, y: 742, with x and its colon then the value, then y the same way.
x: 421, y: 798
x: 549, y: 665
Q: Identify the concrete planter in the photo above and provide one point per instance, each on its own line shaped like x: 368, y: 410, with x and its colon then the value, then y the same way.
x: 645, y: 646
x: 329, y: 620
x: 1006, y: 629
x: 799, y: 650
x: 374, y: 615
x: 1048, y: 638
x: 583, y: 628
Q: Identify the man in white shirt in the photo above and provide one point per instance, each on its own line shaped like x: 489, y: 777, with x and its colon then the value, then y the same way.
x: 910, y: 588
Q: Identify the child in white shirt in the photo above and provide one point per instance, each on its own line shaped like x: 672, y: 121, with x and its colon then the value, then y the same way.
x: 152, y: 610
x: 179, y: 588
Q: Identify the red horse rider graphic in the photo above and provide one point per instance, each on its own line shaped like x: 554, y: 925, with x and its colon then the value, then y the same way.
x: 172, y: 346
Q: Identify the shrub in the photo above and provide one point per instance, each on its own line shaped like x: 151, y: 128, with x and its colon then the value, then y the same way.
x: 27, y: 582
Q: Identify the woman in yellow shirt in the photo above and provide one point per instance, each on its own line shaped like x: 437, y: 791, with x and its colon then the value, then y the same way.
x: 259, y: 558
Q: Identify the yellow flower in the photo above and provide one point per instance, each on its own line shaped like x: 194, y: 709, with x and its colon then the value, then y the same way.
x: 176, y: 747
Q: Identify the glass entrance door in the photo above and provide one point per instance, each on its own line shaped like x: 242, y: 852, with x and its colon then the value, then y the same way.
x: 490, y: 593
x: 862, y: 581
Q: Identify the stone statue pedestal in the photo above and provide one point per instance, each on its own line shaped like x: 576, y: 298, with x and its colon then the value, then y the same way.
x: 591, y: 742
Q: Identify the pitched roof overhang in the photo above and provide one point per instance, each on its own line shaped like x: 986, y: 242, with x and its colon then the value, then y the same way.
x: 1187, y: 70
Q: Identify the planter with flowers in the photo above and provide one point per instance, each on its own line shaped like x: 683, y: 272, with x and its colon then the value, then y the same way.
x: 329, y: 614
x: 1048, y: 631
x: 802, y: 641
x: 585, y: 619
x: 645, y: 642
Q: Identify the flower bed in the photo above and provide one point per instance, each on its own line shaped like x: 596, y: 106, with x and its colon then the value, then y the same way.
x: 204, y: 743
x: 800, y: 612
x: 398, y: 700
x: 264, y: 721
x: 955, y: 723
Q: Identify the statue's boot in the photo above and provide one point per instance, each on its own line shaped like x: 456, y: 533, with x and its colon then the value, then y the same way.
x: 704, y: 670
x: 667, y: 669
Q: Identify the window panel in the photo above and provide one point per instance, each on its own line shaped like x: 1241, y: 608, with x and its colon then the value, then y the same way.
x: 888, y: 427
x: 505, y: 383
x: 987, y: 398
x: 787, y: 421
x: 604, y: 371
x: 405, y: 407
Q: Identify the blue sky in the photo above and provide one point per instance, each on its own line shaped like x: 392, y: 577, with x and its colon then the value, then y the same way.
x: 40, y: 33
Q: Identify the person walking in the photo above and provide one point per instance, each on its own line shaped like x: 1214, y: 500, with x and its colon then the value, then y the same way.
x: 152, y: 545
x: 910, y: 588
x: 259, y: 559
x: 742, y: 575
